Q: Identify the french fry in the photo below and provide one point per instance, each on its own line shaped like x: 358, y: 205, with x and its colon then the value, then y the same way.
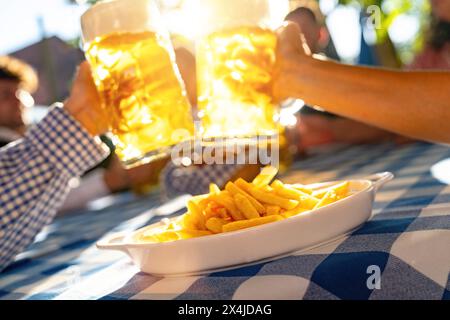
x: 238, y: 225
x: 274, y: 199
x: 244, y: 205
x: 226, y: 193
x: 199, y: 198
x: 212, y: 210
x: 187, y: 234
x: 307, y: 201
x: 266, y: 189
x: 265, y: 176
x: 227, y: 201
x: 302, y: 188
x: 172, y: 226
x: 210, y: 213
x: 272, y: 210
x: 266, y: 197
x: 341, y: 190
x: 297, y: 210
x: 188, y: 221
x: 197, y: 215
x: 165, y: 236
x: 234, y: 189
x: 215, y: 224
x: 216, y: 211
x: 213, y: 188
x: 223, y: 213
x: 201, y: 201
x: 285, y: 191
x: 328, y: 198
x: 244, y: 185
x: 203, y: 204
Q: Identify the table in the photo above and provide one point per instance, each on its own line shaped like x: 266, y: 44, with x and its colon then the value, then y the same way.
x: 407, y: 241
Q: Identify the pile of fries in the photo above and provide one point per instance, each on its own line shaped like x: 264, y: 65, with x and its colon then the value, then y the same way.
x: 242, y: 205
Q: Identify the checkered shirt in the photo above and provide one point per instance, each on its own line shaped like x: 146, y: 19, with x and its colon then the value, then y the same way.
x: 34, y: 177
x: 178, y: 180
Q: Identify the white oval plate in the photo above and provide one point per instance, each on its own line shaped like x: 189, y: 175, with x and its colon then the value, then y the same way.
x: 257, y: 244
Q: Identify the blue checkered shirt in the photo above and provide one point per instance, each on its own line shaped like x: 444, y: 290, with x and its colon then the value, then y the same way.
x: 34, y: 177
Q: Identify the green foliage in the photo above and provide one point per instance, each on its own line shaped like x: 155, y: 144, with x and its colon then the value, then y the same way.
x: 390, y: 11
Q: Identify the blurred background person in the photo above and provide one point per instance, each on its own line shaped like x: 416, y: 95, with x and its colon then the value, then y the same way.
x: 436, y: 54
x: 17, y: 81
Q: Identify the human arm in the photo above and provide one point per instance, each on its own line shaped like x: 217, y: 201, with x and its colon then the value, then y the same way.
x: 35, y: 171
x: 410, y: 103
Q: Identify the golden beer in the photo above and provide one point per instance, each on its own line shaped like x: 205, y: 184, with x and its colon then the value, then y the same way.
x: 235, y: 82
x: 134, y: 69
x: 141, y: 90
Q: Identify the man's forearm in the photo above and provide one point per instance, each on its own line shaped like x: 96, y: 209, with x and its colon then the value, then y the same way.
x: 414, y: 104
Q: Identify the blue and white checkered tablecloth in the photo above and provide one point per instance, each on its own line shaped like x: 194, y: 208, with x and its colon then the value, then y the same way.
x: 408, y: 239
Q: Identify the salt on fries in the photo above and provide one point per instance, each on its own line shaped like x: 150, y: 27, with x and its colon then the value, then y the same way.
x: 243, y: 205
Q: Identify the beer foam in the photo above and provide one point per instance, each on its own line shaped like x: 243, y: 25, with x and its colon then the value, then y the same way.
x: 216, y: 15
x: 113, y: 16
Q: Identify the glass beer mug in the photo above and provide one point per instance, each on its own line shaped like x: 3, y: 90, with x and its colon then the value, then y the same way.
x: 235, y: 61
x: 134, y: 69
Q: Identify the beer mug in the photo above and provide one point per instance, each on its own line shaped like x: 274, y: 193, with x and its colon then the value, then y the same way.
x: 235, y: 61
x: 134, y: 69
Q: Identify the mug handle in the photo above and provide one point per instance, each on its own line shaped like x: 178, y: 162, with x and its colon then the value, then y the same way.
x: 380, y: 179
